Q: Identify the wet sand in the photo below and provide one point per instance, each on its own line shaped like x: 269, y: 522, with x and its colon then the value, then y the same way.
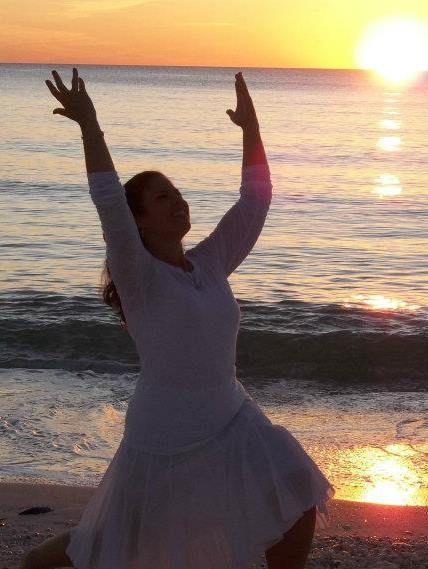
x: 359, y: 535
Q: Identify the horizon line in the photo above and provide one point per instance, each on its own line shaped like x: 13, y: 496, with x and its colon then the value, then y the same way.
x: 197, y: 66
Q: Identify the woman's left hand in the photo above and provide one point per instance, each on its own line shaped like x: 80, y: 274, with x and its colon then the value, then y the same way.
x: 245, y: 114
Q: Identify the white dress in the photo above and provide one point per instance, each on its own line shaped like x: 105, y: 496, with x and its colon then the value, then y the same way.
x: 201, y: 478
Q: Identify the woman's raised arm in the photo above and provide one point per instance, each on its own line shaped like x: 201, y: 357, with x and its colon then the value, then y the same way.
x: 129, y: 263
x: 245, y: 116
x: 238, y: 230
x: 78, y: 106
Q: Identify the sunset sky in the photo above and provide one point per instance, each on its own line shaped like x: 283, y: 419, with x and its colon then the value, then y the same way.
x: 247, y: 33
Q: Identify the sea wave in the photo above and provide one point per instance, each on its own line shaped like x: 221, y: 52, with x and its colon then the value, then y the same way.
x: 288, y: 339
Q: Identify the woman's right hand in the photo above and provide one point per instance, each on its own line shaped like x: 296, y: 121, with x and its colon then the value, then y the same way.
x: 77, y: 104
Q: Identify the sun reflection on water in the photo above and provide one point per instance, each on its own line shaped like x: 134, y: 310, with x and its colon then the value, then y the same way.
x: 385, y: 476
x: 380, y: 302
x: 390, y: 124
x: 389, y: 143
x: 387, y: 191
x: 387, y: 185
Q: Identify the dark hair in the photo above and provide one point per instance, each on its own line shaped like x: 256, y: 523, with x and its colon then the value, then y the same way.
x: 134, y: 189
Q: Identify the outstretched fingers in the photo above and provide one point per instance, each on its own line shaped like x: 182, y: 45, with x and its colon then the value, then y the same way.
x: 53, y: 90
x: 82, y: 86
x: 240, y: 94
x: 237, y: 88
x: 77, y: 105
x: 75, y: 81
x: 246, y: 94
x: 59, y: 83
x: 243, y: 88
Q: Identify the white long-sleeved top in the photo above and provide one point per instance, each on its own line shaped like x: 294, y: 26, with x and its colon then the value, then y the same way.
x: 184, y: 323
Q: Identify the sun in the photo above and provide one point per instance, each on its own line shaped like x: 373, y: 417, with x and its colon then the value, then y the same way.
x: 396, y: 48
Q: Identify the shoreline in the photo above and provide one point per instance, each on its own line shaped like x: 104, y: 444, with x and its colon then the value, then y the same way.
x: 355, y: 527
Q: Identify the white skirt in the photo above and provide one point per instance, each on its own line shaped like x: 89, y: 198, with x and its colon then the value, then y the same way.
x: 219, y: 506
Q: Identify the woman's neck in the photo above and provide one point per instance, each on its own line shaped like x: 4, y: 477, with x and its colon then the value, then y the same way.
x: 172, y: 253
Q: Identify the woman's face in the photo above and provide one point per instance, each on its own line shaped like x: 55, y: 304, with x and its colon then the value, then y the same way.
x: 165, y: 210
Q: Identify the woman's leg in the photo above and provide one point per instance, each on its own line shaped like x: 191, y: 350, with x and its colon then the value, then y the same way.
x: 49, y: 554
x: 292, y: 551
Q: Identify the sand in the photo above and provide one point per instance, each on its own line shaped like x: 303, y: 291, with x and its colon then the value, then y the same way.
x: 360, y: 535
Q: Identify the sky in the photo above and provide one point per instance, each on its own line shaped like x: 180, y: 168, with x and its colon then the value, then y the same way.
x: 229, y: 33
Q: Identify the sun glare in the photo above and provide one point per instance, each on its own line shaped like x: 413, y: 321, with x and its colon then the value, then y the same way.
x: 395, y: 48
x: 387, y: 185
x: 378, y: 302
x: 384, y: 475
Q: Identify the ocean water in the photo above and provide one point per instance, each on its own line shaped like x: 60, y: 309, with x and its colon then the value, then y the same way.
x: 334, y: 297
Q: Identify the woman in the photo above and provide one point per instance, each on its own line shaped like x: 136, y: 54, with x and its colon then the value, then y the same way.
x: 202, y: 479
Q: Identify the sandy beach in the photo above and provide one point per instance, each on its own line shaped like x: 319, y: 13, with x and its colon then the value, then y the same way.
x: 360, y: 535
